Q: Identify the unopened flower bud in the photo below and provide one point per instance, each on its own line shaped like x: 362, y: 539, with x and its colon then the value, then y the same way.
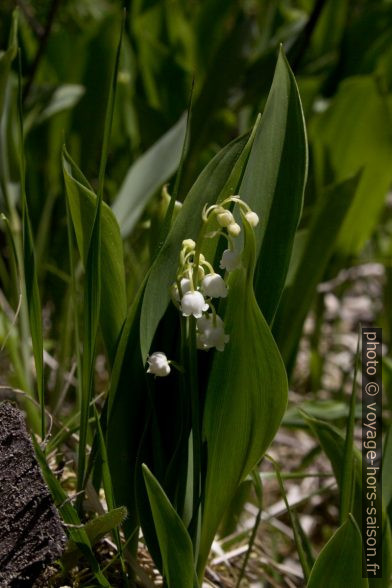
x: 225, y: 218
x: 252, y: 218
x: 185, y: 284
x: 234, y: 229
x: 188, y: 244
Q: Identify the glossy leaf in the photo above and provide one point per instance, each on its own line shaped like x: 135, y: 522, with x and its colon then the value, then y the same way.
x: 273, y: 184
x: 174, y: 541
x: 340, y: 562
x: 247, y: 393
x: 82, y: 202
x: 146, y: 175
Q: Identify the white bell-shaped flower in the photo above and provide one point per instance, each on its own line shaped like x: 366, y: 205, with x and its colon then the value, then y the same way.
x: 158, y: 364
x: 185, y: 287
x: 211, y: 333
x: 193, y: 303
x: 214, y: 286
x: 230, y: 260
x: 252, y: 218
x: 206, y: 322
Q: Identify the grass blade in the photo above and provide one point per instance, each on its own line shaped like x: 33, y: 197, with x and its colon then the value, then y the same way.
x: 30, y: 270
x: 293, y: 521
x: 92, y: 296
x: 82, y: 202
x: 347, y: 475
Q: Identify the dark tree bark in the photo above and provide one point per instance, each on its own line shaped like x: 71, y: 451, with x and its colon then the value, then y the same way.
x: 31, y: 534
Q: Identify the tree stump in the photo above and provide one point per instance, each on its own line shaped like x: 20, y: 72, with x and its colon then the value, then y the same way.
x: 31, y: 533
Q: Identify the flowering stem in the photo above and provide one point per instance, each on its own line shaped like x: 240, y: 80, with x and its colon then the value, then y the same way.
x: 196, y: 259
x: 196, y: 435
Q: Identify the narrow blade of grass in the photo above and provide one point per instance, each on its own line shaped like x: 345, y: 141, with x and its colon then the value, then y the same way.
x: 347, y: 475
x: 30, y: 270
x: 293, y: 521
x: 92, y: 295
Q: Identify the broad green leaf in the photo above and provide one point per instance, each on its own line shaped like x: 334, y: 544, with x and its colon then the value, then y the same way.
x: 333, y: 444
x: 146, y: 175
x: 273, y: 185
x: 354, y: 134
x: 6, y: 58
x: 245, y: 400
x: 340, y: 562
x: 206, y: 189
x: 316, y: 251
x: 82, y: 202
x: 63, y: 98
x: 76, y: 530
x: 95, y: 529
x: 174, y: 541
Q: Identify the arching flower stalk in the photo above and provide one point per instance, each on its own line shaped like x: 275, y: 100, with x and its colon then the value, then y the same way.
x: 197, y: 283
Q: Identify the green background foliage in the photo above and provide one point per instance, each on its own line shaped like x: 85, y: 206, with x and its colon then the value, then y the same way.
x: 105, y: 167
